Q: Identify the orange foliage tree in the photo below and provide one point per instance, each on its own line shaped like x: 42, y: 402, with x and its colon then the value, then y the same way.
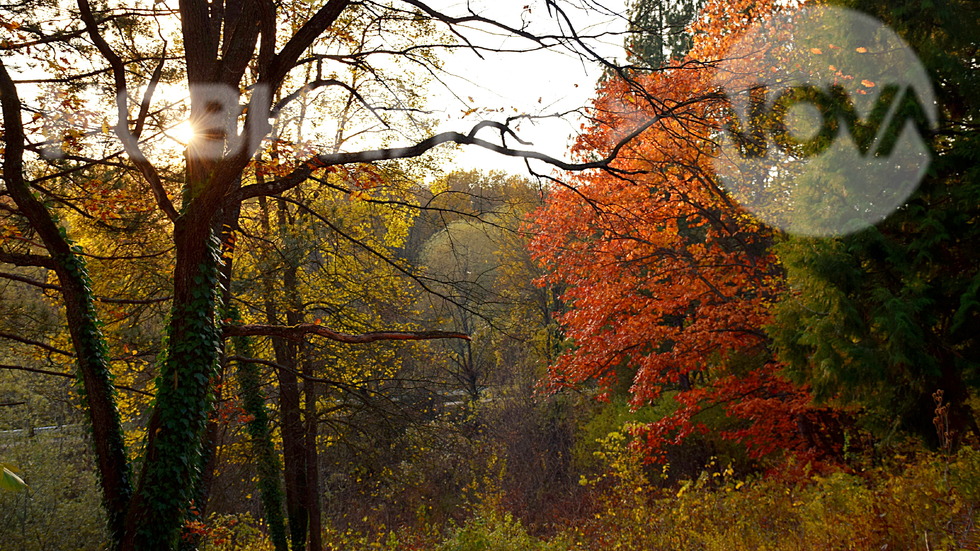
x: 669, y: 285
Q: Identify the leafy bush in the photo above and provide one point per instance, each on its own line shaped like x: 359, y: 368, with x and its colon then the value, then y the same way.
x: 231, y: 533
x: 495, y: 533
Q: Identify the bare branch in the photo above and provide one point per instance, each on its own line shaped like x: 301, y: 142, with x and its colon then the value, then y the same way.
x: 29, y: 281
x: 67, y: 376
x: 420, y: 280
x: 299, y: 331
x: 39, y: 344
x: 326, y: 82
x: 313, y: 28
x: 128, y: 139
x: 148, y: 94
x: 327, y: 160
x: 503, y: 128
x: 21, y: 259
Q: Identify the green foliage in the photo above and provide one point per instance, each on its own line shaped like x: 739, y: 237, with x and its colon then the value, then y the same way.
x: 232, y: 533
x: 607, y: 419
x: 659, y: 30
x: 685, y: 459
x: 879, y: 318
x: 10, y: 482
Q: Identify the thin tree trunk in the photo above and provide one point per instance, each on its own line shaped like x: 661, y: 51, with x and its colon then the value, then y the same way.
x: 266, y: 460
x: 311, y: 394
x: 293, y: 445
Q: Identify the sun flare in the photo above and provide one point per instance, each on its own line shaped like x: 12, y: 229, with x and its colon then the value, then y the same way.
x: 182, y: 133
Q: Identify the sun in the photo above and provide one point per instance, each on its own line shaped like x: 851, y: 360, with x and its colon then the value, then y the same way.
x: 182, y: 133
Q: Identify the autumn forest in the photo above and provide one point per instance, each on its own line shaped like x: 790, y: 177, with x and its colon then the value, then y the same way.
x: 249, y: 299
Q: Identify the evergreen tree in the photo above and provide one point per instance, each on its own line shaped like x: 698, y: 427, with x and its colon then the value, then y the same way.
x: 658, y: 30
x: 886, y: 317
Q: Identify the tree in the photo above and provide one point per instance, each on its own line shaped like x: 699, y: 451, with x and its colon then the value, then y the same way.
x: 228, y: 54
x: 669, y: 284
x: 882, y: 318
x: 659, y: 30
x: 480, y: 265
x: 327, y: 260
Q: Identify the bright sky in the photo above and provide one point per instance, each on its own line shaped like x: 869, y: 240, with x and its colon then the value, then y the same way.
x: 539, y: 83
x: 535, y: 83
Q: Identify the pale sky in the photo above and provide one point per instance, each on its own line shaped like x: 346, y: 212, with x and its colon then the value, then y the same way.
x: 535, y: 83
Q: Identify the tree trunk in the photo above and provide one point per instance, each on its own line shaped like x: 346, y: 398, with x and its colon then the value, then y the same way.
x: 293, y: 446
x: 170, y: 473
x: 266, y: 460
x: 293, y: 439
x: 311, y: 395
x: 83, y: 325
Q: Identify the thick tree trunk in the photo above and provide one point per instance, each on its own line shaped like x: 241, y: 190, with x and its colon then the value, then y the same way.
x: 171, y: 465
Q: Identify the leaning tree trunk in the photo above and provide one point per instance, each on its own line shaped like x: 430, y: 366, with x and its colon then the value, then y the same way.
x: 90, y: 347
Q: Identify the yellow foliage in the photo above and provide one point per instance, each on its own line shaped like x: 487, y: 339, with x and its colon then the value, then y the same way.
x: 928, y: 503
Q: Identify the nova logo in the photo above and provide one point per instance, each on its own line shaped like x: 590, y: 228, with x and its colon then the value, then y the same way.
x: 877, y: 134
x: 825, y: 123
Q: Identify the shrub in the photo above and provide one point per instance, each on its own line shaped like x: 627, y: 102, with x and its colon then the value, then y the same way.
x: 917, y: 501
x: 497, y: 533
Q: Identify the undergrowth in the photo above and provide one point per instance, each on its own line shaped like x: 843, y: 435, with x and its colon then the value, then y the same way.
x: 914, y: 500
